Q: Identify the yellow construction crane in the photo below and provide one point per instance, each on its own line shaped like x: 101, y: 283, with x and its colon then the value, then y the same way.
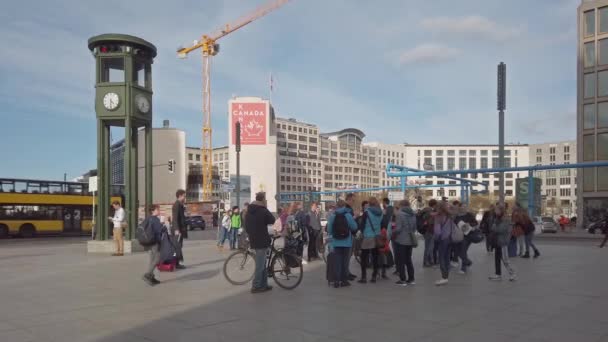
x: 209, y: 47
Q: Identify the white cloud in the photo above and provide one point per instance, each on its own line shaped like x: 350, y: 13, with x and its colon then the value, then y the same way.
x: 427, y: 53
x: 471, y: 25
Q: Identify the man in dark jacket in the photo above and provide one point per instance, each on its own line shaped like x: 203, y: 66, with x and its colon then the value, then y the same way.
x: 178, y: 228
x: 154, y: 250
x: 257, y: 221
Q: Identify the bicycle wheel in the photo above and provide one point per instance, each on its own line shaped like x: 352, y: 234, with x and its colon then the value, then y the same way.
x: 239, y: 268
x: 283, y: 273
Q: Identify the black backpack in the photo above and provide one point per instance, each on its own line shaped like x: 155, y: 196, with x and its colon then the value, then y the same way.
x: 145, y: 233
x: 341, y: 230
x: 422, y: 223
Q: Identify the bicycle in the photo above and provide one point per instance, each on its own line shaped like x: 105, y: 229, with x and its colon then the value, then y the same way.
x: 285, y: 267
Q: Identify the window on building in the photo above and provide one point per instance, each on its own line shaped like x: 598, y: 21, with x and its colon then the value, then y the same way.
x: 603, y: 52
x: 484, y: 162
x: 552, y: 158
x: 539, y: 159
x: 602, y: 87
x: 602, y: 178
x: 472, y: 163
x: 190, y: 156
x: 438, y: 153
x: 589, y: 114
x: 451, y: 153
x: 428, y: 153
x: 589, y: 23
x: 462, y: 163
x: 428, y: 161
x: 439, y: 164
x: 484, y: 152
x: 588, y: 147
x: 292, y: 137
x: 589, y: 179
x: 198, y: 157
x: 462, y: 153
x: 539, y: 151
x: 589, y: 54
x: 451, y: 163
x: 452, y: 193
x: 509, y: 183
x: 602, y: 146
x: 603, y: 17
x: 602, y: 115
x: 552, y: 150
x: 589, y: 86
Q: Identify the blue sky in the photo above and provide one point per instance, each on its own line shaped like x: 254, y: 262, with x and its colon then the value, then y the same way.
x: 401, y: 70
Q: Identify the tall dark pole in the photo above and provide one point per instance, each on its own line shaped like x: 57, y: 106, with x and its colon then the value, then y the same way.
x: 238, y: 164
x: 502, y: 105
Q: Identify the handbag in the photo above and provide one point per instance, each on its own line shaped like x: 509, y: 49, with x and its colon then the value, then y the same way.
x: 380, y: 240
x: 414, y: 239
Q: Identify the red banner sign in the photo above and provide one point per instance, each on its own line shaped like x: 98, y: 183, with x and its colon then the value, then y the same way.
x: 252, y: 117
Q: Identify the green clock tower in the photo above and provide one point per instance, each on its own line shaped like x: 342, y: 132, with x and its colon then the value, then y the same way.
x: 123, y: 98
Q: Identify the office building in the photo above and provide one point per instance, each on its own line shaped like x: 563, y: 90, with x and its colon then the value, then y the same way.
x: 592, y: 108
x: 558, y: 187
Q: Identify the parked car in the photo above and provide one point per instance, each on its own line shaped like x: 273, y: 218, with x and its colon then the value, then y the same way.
x: 193, y: 222
x: 548, y: 225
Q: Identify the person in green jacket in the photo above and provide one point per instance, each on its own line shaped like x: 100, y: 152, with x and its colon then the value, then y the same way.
x: 235, y: 225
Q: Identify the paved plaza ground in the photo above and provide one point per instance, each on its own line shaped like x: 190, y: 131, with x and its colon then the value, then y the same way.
x: 51, y: 290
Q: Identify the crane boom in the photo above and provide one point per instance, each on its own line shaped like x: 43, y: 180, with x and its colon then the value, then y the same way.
x: 210, y: 48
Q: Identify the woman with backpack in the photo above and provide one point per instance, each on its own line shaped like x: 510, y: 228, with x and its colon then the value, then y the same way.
x: 500, y: 235
x: 404, y: 237
x: 372, y: 239
x: 340, y: 227
x: 443, y: 228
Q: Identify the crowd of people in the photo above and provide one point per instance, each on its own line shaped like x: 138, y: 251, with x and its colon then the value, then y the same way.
x: 381, y: 233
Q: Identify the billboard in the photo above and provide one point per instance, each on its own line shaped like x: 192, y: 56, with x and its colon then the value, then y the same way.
x: 253, y: 119
x: 521, y: 194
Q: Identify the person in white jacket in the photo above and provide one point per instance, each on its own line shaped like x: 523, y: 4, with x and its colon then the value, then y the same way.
x: 223, y: 231
x: 119, y: 222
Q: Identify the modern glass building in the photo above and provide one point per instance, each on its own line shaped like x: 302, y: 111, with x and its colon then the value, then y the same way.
x: 592, y: 108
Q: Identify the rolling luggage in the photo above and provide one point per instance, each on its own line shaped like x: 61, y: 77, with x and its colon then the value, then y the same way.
x: 168, y: 266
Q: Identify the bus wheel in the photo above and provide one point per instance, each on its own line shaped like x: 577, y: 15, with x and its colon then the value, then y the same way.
x: 27, y: 231
x: 3, y: 231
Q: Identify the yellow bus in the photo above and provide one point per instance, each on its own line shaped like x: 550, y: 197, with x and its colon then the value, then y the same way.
x: 30, y: 208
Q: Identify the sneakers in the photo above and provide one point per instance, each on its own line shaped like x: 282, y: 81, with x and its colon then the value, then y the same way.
x: 352, y: 277
x: 411, y: 283
x: 441, y: 282
x: 180, y: 267
x: 454, y: 264
x: 373, y: 280
x: 384, y: 277
x: 117, y: 254
x: 362, y: 281
x: 304, y: 262
x: 525, y: 256
x: 513, y: 278
x: 462, y: 272
x: 495, y: 278
x: 344, y: 284
x: 261, y: 289
x: 536, y: 254
x: 150, y: 280
x: 401, y: 283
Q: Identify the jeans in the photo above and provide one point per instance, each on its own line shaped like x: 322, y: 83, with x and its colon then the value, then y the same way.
x: 154, y: 260
x: 223, y: 236
x: 343, y: 256
x: 604, y: 241
x: 464, y: 257
x: 444, y: 257
x: 435, y: 251
x: 489, y: 247
x: 521, y: 244
x: 403, y: 259
x: 429, y: 246
x: 312, y: 243
x: 365, y: 259
x: 260, y: 279
x: 234, y: 234
x: 528, y: 238
x: 501, y: 256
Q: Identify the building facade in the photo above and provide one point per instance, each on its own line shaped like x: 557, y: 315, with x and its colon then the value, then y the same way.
x: 462, y: 157
x: 558, y: 188
x: 168, y: 145
x: 194, y: 169
x: 592, y: 108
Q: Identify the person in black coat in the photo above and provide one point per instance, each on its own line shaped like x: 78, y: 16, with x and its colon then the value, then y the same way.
x: 258, y: 218
x: 178, y: 227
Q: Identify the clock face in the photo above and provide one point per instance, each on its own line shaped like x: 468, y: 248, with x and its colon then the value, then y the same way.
x: 142, y: 103
x: 111, y: 101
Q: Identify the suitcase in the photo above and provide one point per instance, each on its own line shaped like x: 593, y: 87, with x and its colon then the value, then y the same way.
x: 167, y: 267
x: 332, y: 267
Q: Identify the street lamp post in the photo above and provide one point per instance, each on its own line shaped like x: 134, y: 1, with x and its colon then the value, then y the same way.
x: 238, y: 164
x: 501, y: 93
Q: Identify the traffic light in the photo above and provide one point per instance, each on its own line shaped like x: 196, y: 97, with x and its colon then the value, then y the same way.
x: 171, y: 165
